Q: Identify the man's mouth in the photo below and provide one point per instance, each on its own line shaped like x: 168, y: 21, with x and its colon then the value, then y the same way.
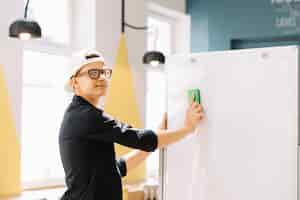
x: 101, y: 86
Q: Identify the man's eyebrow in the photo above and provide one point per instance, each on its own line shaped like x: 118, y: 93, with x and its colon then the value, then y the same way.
x: 106, y: 67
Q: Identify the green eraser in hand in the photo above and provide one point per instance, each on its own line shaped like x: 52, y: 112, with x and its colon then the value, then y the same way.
x: 196, y: 94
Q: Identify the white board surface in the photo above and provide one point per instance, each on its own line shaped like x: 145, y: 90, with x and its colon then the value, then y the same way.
x: 246, y: 148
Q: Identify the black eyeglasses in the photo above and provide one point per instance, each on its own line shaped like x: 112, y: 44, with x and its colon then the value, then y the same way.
x: 95, y: 74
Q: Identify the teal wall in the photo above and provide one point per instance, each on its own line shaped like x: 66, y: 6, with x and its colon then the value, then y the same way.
x: 216, y: 23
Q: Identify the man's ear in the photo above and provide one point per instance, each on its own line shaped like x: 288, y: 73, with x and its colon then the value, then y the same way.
x: 74, y: 83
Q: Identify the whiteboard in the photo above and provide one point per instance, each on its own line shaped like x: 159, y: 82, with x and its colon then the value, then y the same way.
x: 246, y: 148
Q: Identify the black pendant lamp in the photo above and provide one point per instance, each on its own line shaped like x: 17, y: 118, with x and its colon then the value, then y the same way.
x: 153, y: 58
x: 25, y: 29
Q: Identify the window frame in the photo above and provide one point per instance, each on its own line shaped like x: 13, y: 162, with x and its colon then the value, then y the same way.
x: 48, y: 46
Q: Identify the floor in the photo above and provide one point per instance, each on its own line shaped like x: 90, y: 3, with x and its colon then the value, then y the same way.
x: 50, y: 194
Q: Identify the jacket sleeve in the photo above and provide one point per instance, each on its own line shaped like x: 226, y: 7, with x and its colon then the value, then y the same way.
x: 104, y: 127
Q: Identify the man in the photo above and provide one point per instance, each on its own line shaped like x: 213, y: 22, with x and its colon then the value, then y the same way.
x: 87, y: 135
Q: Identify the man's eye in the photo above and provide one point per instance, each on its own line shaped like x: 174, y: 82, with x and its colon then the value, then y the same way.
x: 93, y: 73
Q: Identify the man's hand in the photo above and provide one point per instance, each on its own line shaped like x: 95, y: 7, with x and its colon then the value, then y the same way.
x: 194, y: 114
x: 164, y: 123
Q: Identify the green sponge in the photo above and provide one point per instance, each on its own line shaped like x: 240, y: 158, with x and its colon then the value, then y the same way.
x: 196, y: 94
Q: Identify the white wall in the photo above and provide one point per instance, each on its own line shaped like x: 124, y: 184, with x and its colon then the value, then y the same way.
x: 178, y: 5
x: 83, y: 33
x: 11, y: 56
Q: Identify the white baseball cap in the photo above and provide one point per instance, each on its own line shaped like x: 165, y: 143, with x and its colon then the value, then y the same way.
x: 78, y: 60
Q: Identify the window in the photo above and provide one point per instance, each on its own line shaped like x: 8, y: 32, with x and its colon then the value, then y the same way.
x: 54, y: 18
x: 159, y: 35
x: 44, y: 102
x: 45, y: 64
x: 169, y: 33
x: 155, y: 98
x: 159, y: 38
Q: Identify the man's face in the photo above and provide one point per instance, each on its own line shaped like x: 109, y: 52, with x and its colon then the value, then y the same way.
x: 85, y: 85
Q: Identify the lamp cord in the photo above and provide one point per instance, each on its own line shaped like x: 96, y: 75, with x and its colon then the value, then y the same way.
x: 123, y: 23
x: 123, y: 17
x: 136, y: 27
x: 26, y: 9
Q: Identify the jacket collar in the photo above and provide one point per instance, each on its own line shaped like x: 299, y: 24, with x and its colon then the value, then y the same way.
x: 82, y: 101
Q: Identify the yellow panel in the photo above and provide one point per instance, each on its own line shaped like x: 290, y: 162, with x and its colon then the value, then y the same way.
x: 121, y: 103
x: 125, y: 193
x: 9, y: 145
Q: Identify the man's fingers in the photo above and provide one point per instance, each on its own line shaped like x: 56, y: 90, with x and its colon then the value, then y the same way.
x: 199, y: 108
x: 165, y: 116
x: 164, y: 122
x: 194, y: 105
x: 202, y: 115
x: 199, y: 115
x: 191, y: 99
x: 165, y: 119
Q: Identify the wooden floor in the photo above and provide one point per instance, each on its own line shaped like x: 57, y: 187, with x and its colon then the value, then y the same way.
x: 50, y: 194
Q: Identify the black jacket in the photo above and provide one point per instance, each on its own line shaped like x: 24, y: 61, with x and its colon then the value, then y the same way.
x: 86, y: 141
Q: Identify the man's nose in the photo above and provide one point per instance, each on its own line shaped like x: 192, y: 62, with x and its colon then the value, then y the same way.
x: 101, y: 80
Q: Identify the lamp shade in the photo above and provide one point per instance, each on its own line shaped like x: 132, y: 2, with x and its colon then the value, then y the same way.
x: 25, y: 29
x: 153, y: 57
